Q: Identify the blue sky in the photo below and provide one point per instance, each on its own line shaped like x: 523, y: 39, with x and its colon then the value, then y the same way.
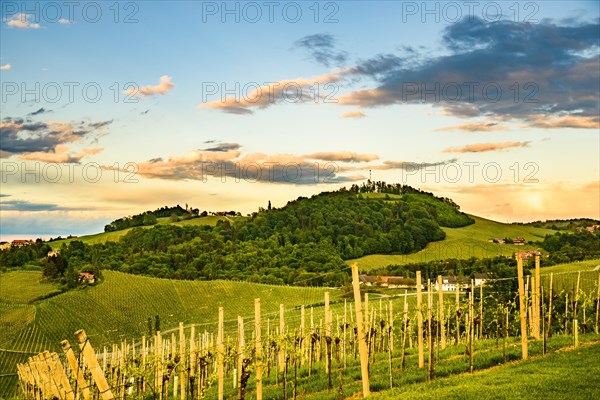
x: 356, y: 74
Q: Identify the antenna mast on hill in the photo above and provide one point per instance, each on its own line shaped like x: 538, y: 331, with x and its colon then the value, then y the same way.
x: 370, y: 176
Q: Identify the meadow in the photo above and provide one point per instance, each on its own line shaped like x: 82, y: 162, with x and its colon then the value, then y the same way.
x: 463, y: 243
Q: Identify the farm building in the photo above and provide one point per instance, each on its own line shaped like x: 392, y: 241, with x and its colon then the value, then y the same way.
x: 86, y: 277
x: 20, y: 243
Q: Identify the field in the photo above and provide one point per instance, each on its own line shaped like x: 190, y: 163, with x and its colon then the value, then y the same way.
x: 22, y: 287
x: 462, y: 243
x: 116, y: 235
x: 567, y: 375
x: 119, y: 308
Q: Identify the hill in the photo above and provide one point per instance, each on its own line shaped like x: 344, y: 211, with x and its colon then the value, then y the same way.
x: 115, y: 236
x: 463, y: 243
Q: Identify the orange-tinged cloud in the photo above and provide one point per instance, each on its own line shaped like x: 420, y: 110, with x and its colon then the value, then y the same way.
x: 366, y: 98
x: 474, y: 127
x: 343, y: 156
x: 483, y: 147
x: 162, y: 88
x: 353, y: 114
x: 565, y: 121
x: 5, y: 67
x: 291, y: 90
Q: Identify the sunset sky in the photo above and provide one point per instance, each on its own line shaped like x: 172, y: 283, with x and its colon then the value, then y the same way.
x: 110, y: 110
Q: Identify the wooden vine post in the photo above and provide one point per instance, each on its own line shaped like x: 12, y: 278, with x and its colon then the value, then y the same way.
x: 538, y: 298
x: 480, y: 335
x: 181, y: 361
x: 281, y: 354
x: 597, y: 305
x: 575, y: 316
x: 220, y: 356
x: 404, y: 331
x: 457, y: 301
x: 90, y: 358
x: 430, y: 333
x: 441, y: 312
x: 471, y: 326
x: 328, y: 324
x: 240, y: 357
x: 420, y: 321
x: 76, y: 370
x: 362, y: 343
x: 258, y: 349
x: 522, y: 307
x: 550, y: 305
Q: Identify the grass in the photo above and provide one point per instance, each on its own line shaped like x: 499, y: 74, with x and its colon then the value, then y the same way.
x: 117, y: 235
x: 565, y: 375
x: 20, y: 287
x: 462, y: 243
x: 586, y: 265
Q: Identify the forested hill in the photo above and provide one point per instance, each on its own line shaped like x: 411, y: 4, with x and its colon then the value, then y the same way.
x: 304, y: 242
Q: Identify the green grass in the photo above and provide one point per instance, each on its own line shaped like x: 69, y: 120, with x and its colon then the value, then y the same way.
x: 586, y: 265
x: 117, y: 235
x: 565, y: 375
x: 462, y: 243
x: 20, y: 287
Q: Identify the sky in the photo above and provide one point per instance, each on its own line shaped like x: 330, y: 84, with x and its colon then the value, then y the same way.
x: 109, y: 109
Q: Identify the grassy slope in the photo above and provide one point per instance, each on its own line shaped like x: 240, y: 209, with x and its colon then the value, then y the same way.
x: 20, y: 287
x: 116, y: 235
x: 462, y: 243
x: 561, y: 375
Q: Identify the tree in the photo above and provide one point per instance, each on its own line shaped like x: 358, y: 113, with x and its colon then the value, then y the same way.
x: 150, y: 219
x: 156, y: 323
x: 269, y: 206
x: 173, y: 218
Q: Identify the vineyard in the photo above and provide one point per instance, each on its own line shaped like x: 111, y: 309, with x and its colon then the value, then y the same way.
x: 330, y: 347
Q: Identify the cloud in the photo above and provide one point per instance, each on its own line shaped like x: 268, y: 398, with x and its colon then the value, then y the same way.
x: 5, y: 67
x: 226, y: 161
x: 563, y: 121
x: 64, y: 21
x: 483, y: 147
x: 353, y: 114
x: 321, y: 47
x: 23, y: 21
x: 23, y: 205
x: 223, y: 147
x: 284, y: 91
x: 162, y: 88
x: 343, y: 156
x: 506, y: 69
x: 410, y: 165
x: 47, y: 141
x: 39, y: 111
x: 475, y: 127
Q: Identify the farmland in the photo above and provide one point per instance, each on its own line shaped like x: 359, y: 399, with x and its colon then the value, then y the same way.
x: 120, y: 306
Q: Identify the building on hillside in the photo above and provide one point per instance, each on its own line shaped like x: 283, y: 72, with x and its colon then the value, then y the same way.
x: 5, y: 245
x: 86, y: 277
x: 368, y: 280
x: 519, y: 241
x: 480, y: 278
x: 452, y: 283
x: 20, y: 243
x: 52, y: 253
x: 593, y: 228
x: 390, y: 282
x: 526, y: 255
